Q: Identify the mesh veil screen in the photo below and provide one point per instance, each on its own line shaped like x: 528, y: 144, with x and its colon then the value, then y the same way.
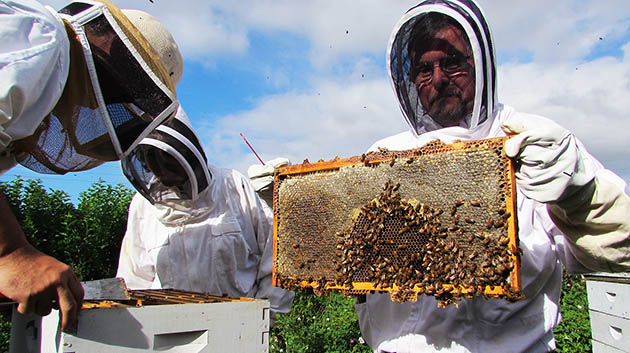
x: 438, y: 220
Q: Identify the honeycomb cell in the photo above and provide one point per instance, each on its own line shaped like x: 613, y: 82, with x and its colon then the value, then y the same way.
x: 430, y: 220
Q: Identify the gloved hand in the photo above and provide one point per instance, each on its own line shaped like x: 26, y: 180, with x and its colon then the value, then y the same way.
x: 261, y: 177
x: 589, y: 208
x: 550, y: 165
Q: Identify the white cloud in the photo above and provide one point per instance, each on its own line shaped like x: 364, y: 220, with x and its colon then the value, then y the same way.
x: 337, y: 118
x: 556, y: 30
x: 591, y: 99
x: 552, y: 30
x: 329, y: 119
x: 588, y: 97
x: 206, y: 30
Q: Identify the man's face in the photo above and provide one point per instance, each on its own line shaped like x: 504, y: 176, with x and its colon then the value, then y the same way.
x: 166, y: 168
x: 446, y: 79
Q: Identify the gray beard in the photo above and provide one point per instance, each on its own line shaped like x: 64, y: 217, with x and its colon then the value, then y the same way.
x: 426, y: 123
x: 451, y: 117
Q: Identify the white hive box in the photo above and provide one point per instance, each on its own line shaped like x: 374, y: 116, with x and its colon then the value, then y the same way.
x: 609, y: 310
x: 230, y: 326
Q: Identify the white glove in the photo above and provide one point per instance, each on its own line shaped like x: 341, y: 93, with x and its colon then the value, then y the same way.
x: 261, y: 177
x: 550, y: 164
x: 591, y: 210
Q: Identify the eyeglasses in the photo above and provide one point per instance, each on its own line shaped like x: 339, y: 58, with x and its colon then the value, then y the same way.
x: 452, y: 65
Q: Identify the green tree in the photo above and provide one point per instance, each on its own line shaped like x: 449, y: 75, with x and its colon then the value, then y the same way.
x: 97, y: 228
x: 42, y: 214
x: 87, y: 237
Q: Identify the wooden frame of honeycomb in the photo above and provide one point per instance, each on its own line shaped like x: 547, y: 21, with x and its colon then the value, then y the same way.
x: 438, y: 220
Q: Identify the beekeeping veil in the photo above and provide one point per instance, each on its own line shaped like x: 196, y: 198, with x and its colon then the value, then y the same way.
x: 169, y: 164
x: 399, y: 61
x: 117, y: 92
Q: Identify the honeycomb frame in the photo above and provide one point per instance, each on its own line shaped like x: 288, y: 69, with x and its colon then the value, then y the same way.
x: 438, y: 220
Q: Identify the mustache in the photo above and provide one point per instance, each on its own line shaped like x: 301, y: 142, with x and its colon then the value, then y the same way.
x: 446, y: 92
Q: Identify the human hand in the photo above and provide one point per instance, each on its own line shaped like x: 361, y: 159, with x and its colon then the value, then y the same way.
x: 261, y: 177
x: 550, y: 164
x: 39, y: 283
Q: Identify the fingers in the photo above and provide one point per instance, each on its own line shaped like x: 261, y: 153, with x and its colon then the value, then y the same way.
x: 512, y: 127
x: 77, y: 289
x: 44, y: 307
x: 513, y: 146
x: 68, y: 307
x: 45, y: 283
x: 279, y: 162
x: 40, y: 304
x: 70, y: 299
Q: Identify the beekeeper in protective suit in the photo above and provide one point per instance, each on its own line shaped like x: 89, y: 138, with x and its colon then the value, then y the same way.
x: 571, y: 211
x: 193, y: 226
x: 77, y: 88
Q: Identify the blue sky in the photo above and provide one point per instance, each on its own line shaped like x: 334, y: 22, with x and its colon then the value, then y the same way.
x: 307, y: 79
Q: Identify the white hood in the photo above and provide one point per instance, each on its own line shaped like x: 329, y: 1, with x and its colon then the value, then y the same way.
x: 471, y: 18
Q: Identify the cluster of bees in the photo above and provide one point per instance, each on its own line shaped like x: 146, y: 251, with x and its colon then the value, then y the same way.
x: 408, y: 249
x: 446, y: 248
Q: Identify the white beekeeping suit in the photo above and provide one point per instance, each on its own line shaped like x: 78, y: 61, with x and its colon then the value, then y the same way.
x: 78, y: 87
x: 208, y: 232
x: 34, y: 71
x: 571, y: 211
x: 82, y: 88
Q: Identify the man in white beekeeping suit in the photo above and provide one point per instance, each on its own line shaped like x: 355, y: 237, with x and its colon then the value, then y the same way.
x: 78, y: 87
x: 193, y: 226
x: 571, y: 211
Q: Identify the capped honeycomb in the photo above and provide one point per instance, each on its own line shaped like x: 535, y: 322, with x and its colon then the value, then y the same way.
x: 439, y: 220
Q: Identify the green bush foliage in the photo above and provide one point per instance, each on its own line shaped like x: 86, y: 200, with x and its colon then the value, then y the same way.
x: 574, y: 332
x: 318, y: 324
x: 87, y: 237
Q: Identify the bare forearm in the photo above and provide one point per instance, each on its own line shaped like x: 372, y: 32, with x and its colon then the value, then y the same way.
x: 36, y: 281
x: 11, y: 235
